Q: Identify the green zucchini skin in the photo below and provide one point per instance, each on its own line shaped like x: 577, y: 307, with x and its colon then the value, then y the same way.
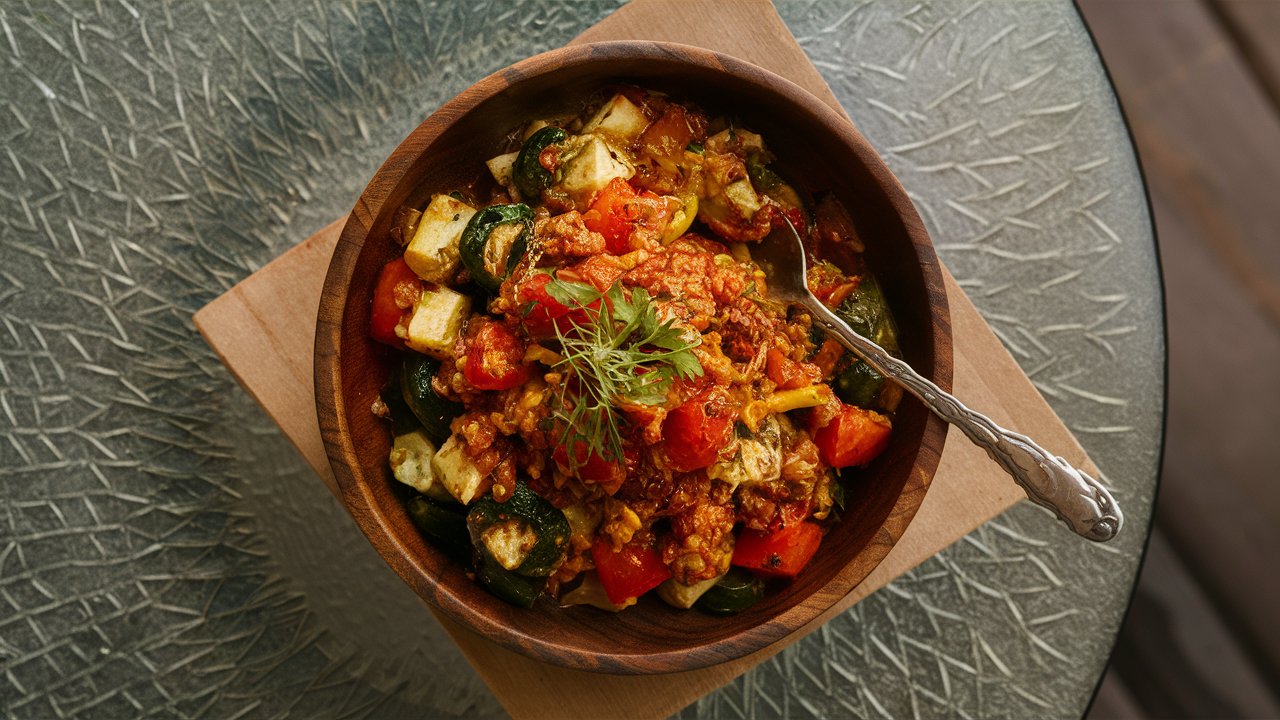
x: 434, y: 412
x: 867, y: 313
x: 529, y: 176
x: 548, y: 524
x: 403, y: 421
x: 738, y: 590
x: 476, y: 237
x: 858, y: 385
x: 764, y: 179
x: 444, y: 528
x: 506, y: 585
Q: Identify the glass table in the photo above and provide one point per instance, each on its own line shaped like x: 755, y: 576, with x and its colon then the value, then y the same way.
x: 166, y: 552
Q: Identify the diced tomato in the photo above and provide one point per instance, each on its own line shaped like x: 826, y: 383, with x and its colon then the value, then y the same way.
x: 853, y: 437
x: 594, y: 468
x: 777, y: 553
x: 668, y: 136
x: 788, y: 373
x: 630, y: 572
x: 397, y: 289
x: 826, y: 357
x: 829, y: 285
x: 695, y: 431
x: 544, y: 313
x: 619, y: 210
x: 496, y: 358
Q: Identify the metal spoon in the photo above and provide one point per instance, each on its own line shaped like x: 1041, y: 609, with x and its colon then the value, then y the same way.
x: 1079, y: 501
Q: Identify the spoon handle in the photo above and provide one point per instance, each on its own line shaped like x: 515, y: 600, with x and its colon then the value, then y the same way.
x: 1079, y: 501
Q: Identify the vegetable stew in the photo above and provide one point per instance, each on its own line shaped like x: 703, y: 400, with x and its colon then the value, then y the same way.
x: 596, y: 397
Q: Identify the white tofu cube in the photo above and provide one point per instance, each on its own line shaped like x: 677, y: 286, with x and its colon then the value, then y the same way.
x: 437, y: 319
x: 501, y: 168
x: 742, y: 197
x: 411, y: 456
x: 458, y: 474
x: 433, y: 252
x: 684, y: 596
x: 620, y: 119
x: 591, y: 165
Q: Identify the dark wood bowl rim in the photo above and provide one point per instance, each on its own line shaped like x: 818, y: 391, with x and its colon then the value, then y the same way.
x: 373, y: 522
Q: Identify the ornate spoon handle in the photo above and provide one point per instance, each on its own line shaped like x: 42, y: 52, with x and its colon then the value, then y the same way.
x: 1079, y: 501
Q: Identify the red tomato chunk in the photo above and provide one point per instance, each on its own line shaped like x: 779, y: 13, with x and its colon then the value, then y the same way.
x: 619, y: 210
x: 630, y: 572
x: 777, y: 553
x: 496, y: 359
x: 853, y: 437
x: 397, y: 289
x: 545, y: 315
x: 696, y: 431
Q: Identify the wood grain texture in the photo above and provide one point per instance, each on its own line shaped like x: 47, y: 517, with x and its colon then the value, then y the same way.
x: 820, y: 151
x: 967, y: 489
x: 1255, y: 29
x: 1208, y: 136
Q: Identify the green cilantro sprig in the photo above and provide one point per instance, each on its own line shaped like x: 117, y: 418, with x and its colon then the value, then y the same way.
x: 622, y: 354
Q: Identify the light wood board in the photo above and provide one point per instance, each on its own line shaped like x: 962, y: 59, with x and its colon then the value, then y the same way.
x: 256, y: 330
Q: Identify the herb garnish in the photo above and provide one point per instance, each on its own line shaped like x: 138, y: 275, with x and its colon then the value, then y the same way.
x: 622, y: 354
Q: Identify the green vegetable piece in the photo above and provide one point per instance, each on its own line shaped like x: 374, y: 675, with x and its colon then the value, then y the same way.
x: 859, y: 385
x: 866, y: 312
x: 738, y: 590
x: 817, y: 336
x: 515, y: 589
x: 696, y: 147
x: 526, y: 534
x: 762, y: 177
x: 478, y: 243
x: 839, y: 488
x: 443, y: 527
x: 837, y: 492
x: 434, y: 412
x: 529, y: 176
x: 403, y: 421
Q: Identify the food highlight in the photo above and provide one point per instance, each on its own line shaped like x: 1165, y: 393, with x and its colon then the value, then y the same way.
x: 595, y: 397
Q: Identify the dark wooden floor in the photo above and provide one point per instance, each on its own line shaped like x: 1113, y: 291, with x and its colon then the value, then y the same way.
x: 1200, y: 83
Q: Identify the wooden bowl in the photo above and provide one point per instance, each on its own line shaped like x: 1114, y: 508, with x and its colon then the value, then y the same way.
x: 817, y: 149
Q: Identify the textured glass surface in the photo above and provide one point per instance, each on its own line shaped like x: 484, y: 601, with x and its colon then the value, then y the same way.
x: 166, y: 552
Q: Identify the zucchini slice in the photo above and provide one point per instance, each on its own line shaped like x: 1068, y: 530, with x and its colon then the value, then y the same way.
x: 866, y: 312
x: 684, y: 596
x: 515, y: 589
x: 432, y: 411
x: 494, y: 241
x: 526, y: 534
x: 403, y: 421
x: 528, y: 175
x: 738, y: 590
x: 444, y: 528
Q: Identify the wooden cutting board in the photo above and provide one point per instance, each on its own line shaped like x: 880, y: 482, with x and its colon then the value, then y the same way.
x: 256, y: 331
